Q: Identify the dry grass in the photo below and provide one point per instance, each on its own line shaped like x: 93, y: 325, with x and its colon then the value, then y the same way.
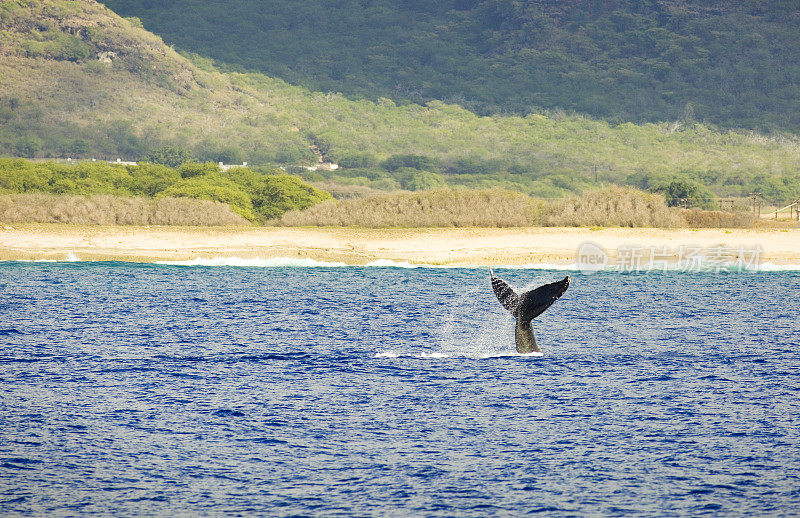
x: 436, y: 208
x: 697, y: 218
x: 612, y: 207
x: 114, y: 210
x: 772, y: 223
x: 609, y: 207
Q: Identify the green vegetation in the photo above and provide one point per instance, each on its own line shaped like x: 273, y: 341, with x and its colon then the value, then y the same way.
x: 684, y: 192
x: 168, y: 155
x: 254, y: 196
x: 202, y: 194
x: 730, y: 63
x: 132, y: 96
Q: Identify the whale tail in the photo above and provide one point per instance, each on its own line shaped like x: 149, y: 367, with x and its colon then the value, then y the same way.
x: 527, y: 306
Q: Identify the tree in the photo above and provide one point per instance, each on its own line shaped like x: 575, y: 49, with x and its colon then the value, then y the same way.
x: 171, y: 156
x: 684, y: 192
x: 28, y: 146
x: 420, y: 162
x: 413, y: 180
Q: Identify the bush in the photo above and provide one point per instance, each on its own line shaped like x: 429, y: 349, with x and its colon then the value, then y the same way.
x: 28, y: 146
x: 477, y: 166
x: 414, y: 180
x: 358, y: 160
x: 192, y: 169
x: 436, y: 208
x: 682, y: 190
x: 255, y: 196
x: 151, y: 179
x: 395, y: 162
x: 697, y: 218
x: 282, y: 193
x: 213, y: 188
x: 168, y: 155
x: 114, y: 210
x: 54, y: 44
x: 612, y: 207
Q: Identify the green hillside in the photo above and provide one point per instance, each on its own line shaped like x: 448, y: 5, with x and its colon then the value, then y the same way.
x: 77, y: 80
x: 729, y: 63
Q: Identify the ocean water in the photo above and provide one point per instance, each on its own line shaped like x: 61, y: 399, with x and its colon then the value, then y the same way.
x: 133, y: 389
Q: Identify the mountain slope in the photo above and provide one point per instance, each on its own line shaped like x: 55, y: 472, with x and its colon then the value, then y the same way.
x: 59, y: 96
x: 730, y: 63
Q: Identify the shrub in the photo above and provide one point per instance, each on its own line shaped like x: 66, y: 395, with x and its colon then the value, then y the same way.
x: 192, y: 169
x: 395, y: 162
x: 414, y: 180
x: 435, y: 208
x: 114, y: 210
x: 282, y: 193
x: 28, y: 146
x: 168, y: 155
x: 612, y: 207
x: 214, y: 188
x: 151, y: 179
x: 255, y: 196
x: 682, y: 190
x: 357, y: 160
x: 698, y: 218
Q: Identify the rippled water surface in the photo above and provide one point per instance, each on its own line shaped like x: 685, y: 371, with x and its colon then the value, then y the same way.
x: 151, y: 389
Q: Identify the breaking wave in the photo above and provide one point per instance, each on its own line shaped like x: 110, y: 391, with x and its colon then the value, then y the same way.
x: 275, y: 262
x: 295, y: 262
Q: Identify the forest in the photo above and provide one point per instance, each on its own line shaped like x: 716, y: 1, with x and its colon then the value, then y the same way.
x: 729, y: 63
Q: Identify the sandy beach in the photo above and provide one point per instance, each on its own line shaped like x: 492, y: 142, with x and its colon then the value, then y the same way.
x: 439, y: 246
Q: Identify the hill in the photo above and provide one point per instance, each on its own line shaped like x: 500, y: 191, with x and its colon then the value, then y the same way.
x: 78, y: 80
x: 733, y: 64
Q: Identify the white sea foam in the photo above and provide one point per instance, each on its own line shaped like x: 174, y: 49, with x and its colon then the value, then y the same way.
x: 388, y: 263
x: 309, y: 263
x: 70, y: 258
x: 770, y: 267
x: 288, y: 262
x: 387, y: 354
x: 275, y: 262
x: 540, y: 266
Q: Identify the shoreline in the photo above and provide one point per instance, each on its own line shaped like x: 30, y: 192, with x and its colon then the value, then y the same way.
x: 356, y: 246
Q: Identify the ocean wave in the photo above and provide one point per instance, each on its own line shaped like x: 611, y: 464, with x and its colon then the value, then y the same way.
x: 278, y: 262
x: 388, y: 263
x: 69, y: 258
x: 771, y: 267
x: 275, y: 262
x: 294, y: 262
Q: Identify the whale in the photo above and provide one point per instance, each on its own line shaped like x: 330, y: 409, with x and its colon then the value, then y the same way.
x: 527, y: 306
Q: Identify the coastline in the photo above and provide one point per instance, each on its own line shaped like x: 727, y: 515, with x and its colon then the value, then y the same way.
x: 356, y: 246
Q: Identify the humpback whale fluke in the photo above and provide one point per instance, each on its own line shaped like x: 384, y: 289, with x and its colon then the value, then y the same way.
x: 526, y: 307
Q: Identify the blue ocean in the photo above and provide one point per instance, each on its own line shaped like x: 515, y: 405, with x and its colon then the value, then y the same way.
x: 300, y: 390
